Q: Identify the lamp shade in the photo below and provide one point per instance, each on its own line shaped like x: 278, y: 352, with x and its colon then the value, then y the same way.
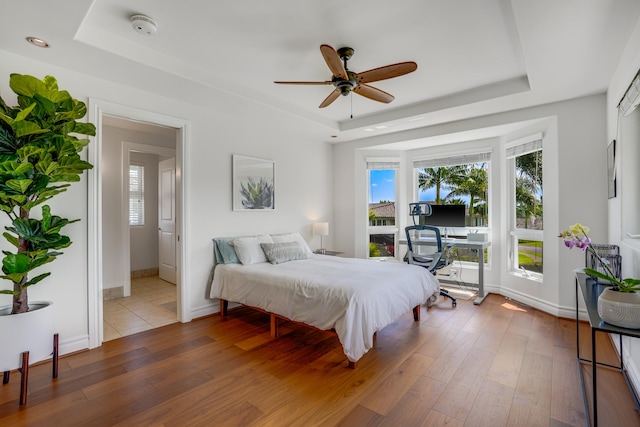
x: 321, y: 229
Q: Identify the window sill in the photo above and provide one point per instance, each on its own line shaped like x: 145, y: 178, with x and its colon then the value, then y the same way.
x: 538, y: 278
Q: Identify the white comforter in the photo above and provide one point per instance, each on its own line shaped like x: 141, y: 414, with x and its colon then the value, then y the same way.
x: 356, y: 297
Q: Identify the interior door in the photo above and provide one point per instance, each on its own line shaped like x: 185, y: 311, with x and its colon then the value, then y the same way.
x: 167, y: 220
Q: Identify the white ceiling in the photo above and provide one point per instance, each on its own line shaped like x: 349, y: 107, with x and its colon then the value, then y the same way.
x: 474, y: 57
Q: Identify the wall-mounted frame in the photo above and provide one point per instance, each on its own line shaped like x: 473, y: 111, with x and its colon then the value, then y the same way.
x: 611, y: 169
x: 253, y: 184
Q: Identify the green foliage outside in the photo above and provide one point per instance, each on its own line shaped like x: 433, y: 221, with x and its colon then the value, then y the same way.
x: 470, y: 181
x: 374, y: 250
x: 530, y: 255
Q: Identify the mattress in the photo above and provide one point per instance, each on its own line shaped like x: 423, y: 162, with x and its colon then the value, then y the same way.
x: 354, y: 297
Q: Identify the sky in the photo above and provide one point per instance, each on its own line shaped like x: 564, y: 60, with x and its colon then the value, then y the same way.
x: 383, y: 188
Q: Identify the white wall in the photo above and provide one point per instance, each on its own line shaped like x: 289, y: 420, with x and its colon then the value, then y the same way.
x: 629, y: 249
x: 219, y: 126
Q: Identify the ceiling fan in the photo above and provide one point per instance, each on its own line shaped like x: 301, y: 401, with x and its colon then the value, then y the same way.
x: 346, y: 81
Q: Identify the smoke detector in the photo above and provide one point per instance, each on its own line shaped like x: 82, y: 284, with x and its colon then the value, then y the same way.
x: 144, y: 25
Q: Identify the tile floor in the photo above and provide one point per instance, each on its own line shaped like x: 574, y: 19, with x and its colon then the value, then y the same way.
x: 152, y: 304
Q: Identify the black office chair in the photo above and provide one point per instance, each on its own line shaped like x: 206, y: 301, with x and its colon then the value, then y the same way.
x: 430, y: 253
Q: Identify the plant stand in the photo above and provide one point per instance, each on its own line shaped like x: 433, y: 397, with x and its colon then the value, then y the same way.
x: 24, y: 371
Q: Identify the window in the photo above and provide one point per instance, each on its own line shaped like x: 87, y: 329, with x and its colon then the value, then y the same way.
x: 525, y: 170
x: 382, y: 231
x: 136, y: 194
x: 461, y: 179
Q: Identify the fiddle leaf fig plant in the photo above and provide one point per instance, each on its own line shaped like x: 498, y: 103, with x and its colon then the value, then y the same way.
x: 39, y: 159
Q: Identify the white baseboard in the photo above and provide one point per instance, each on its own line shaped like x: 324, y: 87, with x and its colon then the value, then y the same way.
x: 73, y: 345
x: 205, y: 310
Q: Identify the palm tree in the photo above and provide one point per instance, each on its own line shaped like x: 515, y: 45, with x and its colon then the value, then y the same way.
x: 473, y: 184
x: 440, y: 178
x: 529, y: 186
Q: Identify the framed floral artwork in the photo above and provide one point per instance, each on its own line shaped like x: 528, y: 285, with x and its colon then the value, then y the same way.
x: 253, y: 184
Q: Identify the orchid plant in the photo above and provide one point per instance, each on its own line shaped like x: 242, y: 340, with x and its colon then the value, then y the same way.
x: 577, y: 237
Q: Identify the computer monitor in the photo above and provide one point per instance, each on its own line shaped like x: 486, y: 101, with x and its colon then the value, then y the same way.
x: 445, y: 216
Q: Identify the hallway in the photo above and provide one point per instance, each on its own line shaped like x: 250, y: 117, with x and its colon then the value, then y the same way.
x: 152, y: 304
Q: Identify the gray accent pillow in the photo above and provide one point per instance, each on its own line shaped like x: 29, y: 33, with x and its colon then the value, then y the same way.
x: 277, y: 253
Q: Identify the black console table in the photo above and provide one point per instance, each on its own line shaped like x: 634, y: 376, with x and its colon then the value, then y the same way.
x: 590, y: 291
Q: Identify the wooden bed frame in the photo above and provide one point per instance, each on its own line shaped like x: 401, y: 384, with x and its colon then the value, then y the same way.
x: 274, y: 322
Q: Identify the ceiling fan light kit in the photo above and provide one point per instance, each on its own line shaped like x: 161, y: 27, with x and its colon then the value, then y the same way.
x: 346, y: 81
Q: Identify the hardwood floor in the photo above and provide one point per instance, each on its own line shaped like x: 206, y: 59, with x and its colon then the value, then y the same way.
x: 497, y: 364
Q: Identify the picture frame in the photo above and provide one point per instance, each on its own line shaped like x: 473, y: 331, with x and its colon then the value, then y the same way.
x: 253, y: 184
x: 611, y: 169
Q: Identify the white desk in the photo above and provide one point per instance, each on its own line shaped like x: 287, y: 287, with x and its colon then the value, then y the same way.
x: 461, y: 243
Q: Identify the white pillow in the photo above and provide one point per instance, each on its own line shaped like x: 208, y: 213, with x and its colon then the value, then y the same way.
x: 248, y: 249
x: 292, y: 237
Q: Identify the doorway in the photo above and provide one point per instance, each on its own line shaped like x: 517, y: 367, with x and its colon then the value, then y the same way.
x: 111, y: 267
x: 139, y: 276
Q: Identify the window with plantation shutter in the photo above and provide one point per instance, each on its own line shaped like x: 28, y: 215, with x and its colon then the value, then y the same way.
x: 382, y: 231
x: 525, y: 172
x: 136, y: 194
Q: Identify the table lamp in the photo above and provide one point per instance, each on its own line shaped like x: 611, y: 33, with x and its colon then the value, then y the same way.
x: 321, y: 229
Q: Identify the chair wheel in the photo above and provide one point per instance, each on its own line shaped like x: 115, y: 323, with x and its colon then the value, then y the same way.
x: 454, y: 303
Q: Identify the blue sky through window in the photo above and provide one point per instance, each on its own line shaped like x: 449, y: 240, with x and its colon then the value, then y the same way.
x: 382, y: 186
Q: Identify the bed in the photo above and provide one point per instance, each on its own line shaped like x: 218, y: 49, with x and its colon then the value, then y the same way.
x: 353, y: 297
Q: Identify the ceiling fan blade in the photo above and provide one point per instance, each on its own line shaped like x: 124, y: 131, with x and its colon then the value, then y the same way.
x: 386, y: 72
x: 334, y: 62
x: 373, y: 93
x: 305, y: 83
x: 329, y: 99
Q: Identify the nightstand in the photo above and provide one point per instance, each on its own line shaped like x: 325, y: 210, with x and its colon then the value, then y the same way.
x: 327, y: 252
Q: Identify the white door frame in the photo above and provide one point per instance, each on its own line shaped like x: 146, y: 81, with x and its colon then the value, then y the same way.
x: 127, y: 148
x: 97, y: 109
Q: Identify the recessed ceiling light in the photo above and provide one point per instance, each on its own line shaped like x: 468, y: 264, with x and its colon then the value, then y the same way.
x: 37, y: 42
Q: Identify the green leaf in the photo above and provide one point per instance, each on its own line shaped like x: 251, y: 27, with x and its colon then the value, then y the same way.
x: 85, y: 129
x: 36, y: 279
x: 25, y: 128
x: 11, y: 238
x: 46, y: 217
x: 50, y: 82
x: 14, y: 277
x: 22, y: 115
x: 40, y: 261
x: 15, y: 264
x: 7, y: 119
x: 15, y: 168
x: 25, y: 85
x: 20, y: 185
x: 27, y: 151
x: 8, y: 140
x: 599, y: 275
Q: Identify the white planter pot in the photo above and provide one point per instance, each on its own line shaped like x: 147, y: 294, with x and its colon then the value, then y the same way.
x: 620, y: 308
x: 31, y: 331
